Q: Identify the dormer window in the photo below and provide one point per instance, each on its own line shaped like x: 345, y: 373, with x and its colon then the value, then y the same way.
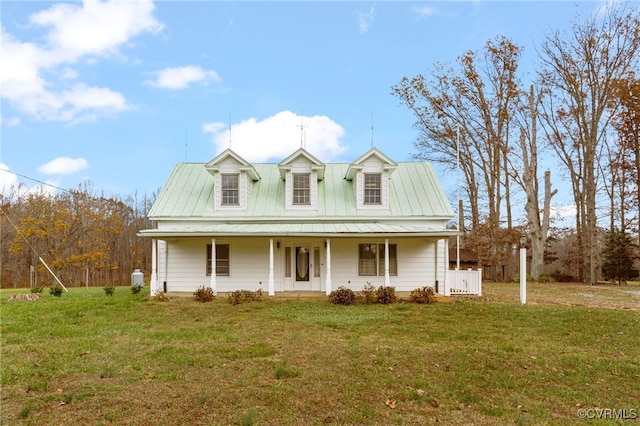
x: 233, y: 178
x: 301, y: 189
x: 372, y: 189
x: 230, y: 189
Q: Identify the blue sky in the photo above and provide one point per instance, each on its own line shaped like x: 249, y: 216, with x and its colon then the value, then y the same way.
x: 117, y: 93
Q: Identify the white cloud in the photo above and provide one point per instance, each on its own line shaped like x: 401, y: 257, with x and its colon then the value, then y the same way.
x: 64, y: 166
x: 424, y: 10
x: 181, y: 77
x: 7, y: 179
x: 74, y: 32
x: 96, y: 27
x: 278, y: 136
x: 365, y: 19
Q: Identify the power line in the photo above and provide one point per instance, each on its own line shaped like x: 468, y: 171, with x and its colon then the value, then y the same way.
x: 33, y: 179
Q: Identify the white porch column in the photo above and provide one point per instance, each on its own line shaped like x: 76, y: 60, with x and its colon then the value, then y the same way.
x: 446, y: 285
x: 154, y: 268
x: 272, y: 285
x: 387, y: 280
x: 327, y: 284
x: 212, y: 281
x: 165, y: 245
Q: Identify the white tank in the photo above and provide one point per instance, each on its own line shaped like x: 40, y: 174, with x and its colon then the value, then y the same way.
x: 137, y: 278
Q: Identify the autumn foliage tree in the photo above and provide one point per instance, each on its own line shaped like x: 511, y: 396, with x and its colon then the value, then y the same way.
x: 85, y: 239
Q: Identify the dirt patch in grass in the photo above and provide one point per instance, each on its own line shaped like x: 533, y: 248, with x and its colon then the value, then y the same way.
x: 569, y: 294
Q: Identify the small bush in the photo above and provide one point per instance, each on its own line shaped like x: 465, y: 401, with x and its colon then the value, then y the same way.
x: 368, y: 294
x: 204, y: 294
x: 423, y: 295
x: 55, y: 290
x: 135, y: 289
x: 342, y: 296
x: 239, y: 296
x: 109, y: 290
x: 545, y: 278
x: 159, y: 297
x: 386, y: 294
x: 36, y: 289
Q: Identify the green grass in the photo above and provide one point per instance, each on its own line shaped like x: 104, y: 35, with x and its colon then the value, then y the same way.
x: 86, y: 358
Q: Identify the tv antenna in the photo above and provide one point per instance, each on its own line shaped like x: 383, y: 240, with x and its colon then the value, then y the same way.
x: 303, y: 141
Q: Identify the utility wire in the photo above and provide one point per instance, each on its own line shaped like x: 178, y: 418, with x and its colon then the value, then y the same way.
x: 35, y: 180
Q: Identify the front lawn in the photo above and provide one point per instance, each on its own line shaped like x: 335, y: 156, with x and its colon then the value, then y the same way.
x: 88, y: 358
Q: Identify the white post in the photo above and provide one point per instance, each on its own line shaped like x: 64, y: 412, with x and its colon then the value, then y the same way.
x: 327, y: 284
x: 523, y: 275
x: 272, y: 286
x: 154, y: 267
x: 387, y: 280
x: 212, y: 281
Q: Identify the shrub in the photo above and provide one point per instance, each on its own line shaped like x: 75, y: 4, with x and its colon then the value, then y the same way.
x: 109, y: 290
x: 368, y: 294
x: 239, y: 296
x: 386, y: 294
x: 135, y: 289
x: 422, y: 295
x: 545, y: 278
x: 56, y: 290
x: 342, y: 296
x: 36, y: 289
x: 159, y: 297
x: 204, y: 294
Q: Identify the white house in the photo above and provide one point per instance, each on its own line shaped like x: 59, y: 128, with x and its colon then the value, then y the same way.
x: 300, y: 225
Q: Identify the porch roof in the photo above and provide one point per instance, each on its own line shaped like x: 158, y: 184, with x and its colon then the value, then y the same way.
x: 298, y: 229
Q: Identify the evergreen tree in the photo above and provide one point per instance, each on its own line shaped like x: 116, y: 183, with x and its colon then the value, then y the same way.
x: 617, y: 261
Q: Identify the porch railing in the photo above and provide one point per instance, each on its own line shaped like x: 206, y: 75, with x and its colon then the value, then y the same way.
x: 463, y: 282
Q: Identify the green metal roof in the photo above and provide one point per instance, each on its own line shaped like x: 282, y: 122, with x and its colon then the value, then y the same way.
x: 415, y: 193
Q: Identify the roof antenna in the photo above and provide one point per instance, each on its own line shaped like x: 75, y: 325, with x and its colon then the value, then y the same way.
x: 186, y: 147
x: 371, y: 129
x: 302, y: 133
x: 229, y: 130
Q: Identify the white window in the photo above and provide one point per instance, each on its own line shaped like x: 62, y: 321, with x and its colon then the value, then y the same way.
x: 371, y: 260
x: 230, y: 189
x: 372, y: 189
x: 301, y: 189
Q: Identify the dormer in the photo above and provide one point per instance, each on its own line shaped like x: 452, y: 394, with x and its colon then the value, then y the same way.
x: 301, y: 172
x: 370, y: 177
x: 233, y: 180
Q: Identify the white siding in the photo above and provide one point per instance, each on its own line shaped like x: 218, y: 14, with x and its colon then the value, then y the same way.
x: 249, y: 263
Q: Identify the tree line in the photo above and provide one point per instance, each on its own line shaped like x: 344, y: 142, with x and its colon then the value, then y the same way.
x: 84, y: 238
x: 581, y: 110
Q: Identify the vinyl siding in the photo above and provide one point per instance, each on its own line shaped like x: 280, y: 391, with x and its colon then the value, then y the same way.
x: 249, y: 263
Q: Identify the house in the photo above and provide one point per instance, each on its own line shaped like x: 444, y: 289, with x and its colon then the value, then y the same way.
x: 299, y: 225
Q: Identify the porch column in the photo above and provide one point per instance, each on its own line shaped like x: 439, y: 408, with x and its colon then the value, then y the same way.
x: 327, y: 284
x: 154, y: 268
x: 387, y: 280
x: 212, y: 281
x: 272, y: 285
x: 446, y: 284
x: 166, y: 262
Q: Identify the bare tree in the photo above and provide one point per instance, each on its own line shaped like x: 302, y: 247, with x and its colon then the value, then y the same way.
x: 577, y: 76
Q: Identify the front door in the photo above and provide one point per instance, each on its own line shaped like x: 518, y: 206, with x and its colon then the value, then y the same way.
x: 302, y: 257
x: 306, y: 267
